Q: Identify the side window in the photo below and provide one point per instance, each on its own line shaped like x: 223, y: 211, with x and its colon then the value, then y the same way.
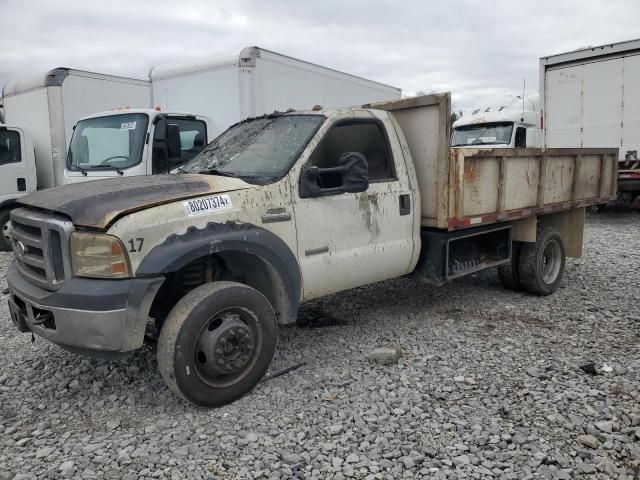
x: 521, y: 138
x: 193, y: 134
x: 365, y: 137
x: 9, y: 147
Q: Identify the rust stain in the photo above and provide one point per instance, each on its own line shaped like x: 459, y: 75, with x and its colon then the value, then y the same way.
x: 470, y: 171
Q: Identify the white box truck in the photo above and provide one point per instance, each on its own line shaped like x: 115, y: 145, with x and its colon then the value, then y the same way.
x: 49, y: 105
x: 42, y: 113
x: 257, y: 81
x: 591, y: 98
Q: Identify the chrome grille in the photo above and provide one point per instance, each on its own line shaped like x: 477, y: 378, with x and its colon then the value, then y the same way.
x: 43, y: 261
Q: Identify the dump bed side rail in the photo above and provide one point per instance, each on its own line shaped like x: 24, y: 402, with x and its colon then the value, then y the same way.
x: 489, y: 186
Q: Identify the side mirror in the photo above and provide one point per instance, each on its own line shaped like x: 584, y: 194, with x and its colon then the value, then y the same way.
x: 351, y: 175
x: 174, y: 147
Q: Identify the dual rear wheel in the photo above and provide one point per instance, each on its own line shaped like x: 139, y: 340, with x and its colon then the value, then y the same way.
x: 536, y: 267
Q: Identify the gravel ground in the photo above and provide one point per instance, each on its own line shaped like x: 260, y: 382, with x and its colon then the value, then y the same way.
x: 489, y: 385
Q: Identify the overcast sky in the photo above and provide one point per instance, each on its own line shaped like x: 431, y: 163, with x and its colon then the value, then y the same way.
x: 476, y: 49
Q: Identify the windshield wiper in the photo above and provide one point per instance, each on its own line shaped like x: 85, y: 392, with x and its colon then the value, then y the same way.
x: 215, y: 171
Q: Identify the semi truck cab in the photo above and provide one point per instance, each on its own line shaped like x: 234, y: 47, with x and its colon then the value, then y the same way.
x: 131, y: 142
x: 511, y: 122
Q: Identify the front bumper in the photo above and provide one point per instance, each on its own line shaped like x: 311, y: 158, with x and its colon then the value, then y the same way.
x: 85, y: 314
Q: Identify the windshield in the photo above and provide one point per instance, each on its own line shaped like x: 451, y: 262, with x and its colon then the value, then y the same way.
x: 483, y: 134
x: 259, y: 150
x: 108, y: 143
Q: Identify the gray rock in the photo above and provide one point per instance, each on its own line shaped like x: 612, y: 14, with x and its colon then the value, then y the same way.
x: 461, y: 460
x: 352, y: 458
x: 385, y: 355
x: 605, y: 426
x: 43, y: 452
x: 588, y: 441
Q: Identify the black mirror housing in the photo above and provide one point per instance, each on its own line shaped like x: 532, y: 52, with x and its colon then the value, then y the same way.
x: 351, y: 175
x: 174, y: 146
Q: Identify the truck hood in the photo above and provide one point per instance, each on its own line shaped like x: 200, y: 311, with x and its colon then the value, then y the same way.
x: 98, y: 203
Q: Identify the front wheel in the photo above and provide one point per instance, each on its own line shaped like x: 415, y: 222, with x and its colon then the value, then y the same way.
x: 542, y: 263
x: 217, y: 343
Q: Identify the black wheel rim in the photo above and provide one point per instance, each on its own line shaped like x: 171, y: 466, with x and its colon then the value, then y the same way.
x: 6, y: 230
x: 551, y: 262
x: 226, y: 347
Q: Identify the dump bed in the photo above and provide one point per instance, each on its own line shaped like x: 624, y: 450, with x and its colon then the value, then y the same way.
x: 463, y: 187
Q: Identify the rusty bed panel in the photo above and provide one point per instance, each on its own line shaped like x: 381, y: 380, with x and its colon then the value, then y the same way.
x: 502, y: 184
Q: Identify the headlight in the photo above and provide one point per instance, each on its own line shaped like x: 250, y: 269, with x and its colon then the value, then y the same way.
x: 98, y: 255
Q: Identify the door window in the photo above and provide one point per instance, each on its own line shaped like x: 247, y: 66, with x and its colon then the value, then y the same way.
x: 193, y: 134
x: 521, y: 138
x: 9, y: 147
x: 362, y: 136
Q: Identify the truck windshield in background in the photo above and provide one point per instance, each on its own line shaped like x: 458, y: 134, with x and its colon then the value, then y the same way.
x: 260, y: 150
x: 9, y: 147
x: 108, y: 143
x: 483, y: 134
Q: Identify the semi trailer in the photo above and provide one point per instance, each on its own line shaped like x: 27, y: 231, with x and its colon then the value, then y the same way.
x: 591, y: 98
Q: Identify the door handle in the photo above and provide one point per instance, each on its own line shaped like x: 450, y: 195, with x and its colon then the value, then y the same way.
x: 405, y: 204
x: 276, y: 215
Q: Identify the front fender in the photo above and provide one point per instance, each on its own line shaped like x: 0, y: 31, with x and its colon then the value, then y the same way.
x: 179, y: 250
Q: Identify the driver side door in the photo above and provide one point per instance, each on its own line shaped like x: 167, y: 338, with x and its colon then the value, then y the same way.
x: 349, y: 239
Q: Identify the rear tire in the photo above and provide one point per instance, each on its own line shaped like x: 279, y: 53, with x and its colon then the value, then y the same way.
x: 508, y: 273
x: 217, y: 343
x: 542, y: 263
x: 5, y: 231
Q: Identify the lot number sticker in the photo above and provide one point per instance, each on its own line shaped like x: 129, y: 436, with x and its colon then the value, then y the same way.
x: 128, y: 126
x: 202, y: 206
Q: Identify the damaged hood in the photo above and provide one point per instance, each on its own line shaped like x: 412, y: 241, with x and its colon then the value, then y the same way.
x: 98, y: 203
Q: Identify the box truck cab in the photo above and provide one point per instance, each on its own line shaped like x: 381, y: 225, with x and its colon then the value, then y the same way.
x: 508, y: 122
x: 131, y: 142
x: 18, y: 168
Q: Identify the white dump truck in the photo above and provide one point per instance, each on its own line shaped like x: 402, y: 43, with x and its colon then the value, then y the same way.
x: 591, y: 98
x: 281, y: 209
x: 511, y: 121
x: 256, y: 81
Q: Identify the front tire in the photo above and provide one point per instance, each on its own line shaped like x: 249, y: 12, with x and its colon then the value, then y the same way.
x: 217, y: 343
x: 542, y: 263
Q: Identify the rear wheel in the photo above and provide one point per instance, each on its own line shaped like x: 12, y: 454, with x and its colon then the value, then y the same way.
x: 5, y: 226
x: 542, y: 263
x: 508, y: 273
x: 217, y: 343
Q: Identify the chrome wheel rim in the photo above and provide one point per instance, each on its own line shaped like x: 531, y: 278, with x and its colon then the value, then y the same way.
x: 551, y: 262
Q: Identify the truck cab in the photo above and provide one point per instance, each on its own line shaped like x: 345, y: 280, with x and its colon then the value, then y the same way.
x: 509, y: 122
x: 130, y: 142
